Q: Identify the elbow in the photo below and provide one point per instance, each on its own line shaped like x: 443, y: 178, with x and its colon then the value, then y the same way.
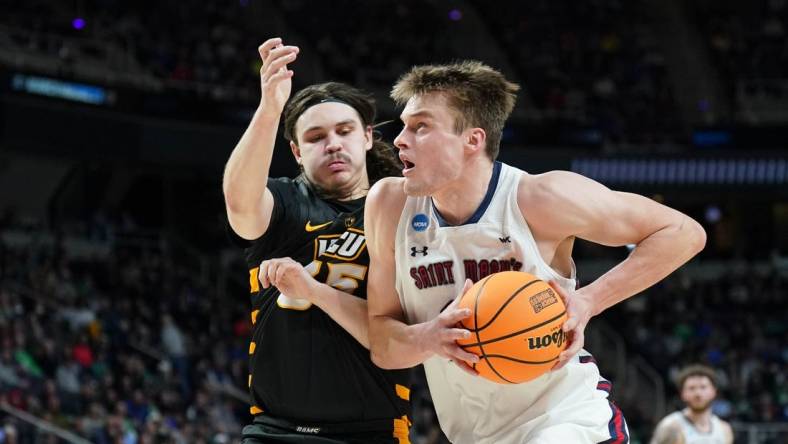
x: 377, y: 352
x: 232, y: 201
x: 237, y: 202
x: 380, y: 360
x: 236, y: 196
x: 697, y: 237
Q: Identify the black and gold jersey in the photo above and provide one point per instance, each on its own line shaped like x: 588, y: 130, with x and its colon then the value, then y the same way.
x: 303, y: 366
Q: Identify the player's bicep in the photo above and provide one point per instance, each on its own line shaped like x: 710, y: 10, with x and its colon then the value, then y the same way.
x: 617, y: 218
x: 566, y: 204
x: 252, y: 223
x: 382, y: 298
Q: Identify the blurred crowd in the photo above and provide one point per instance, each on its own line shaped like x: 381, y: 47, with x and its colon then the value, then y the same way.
x: 734, y: 322
x: 747, y: 38
x: 119, y: 343
x: 595, y: 65
x: 598, y: 65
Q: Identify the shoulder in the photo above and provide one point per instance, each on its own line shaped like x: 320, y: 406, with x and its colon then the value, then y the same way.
x: 387, y: 193
x: 551, y: 187
x: 542, y: 198
x: 668, y: 430
x: 384, y: 204
x: 670, y: 422
x: 286, y: 191
x: 287, y: 184
x: 282, y: 181
x: 726, y: 428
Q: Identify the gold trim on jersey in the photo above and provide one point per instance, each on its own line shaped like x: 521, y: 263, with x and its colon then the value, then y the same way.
x: 402, y: 429
x: 402, y: 391
x: 254, y: 283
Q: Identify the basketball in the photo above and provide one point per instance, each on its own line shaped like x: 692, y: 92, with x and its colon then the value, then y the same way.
x: 515, y: 326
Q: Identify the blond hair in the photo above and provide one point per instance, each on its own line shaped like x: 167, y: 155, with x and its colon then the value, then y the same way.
x: 480, y: 96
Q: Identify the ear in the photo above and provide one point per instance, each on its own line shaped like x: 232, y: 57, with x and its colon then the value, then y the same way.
x: 369, y: 138
x: 296, y: 152
x: 475, y: 140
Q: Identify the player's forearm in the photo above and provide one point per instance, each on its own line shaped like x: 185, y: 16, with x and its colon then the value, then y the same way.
x: 246, y: 172
x: 394, y: 344
x: 652, y: 260
x: 347, y: 310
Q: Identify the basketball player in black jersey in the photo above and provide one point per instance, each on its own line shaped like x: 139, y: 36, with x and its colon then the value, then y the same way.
x: 310, y: 375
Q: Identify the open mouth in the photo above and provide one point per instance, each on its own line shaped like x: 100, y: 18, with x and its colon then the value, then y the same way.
x: 408, y: 166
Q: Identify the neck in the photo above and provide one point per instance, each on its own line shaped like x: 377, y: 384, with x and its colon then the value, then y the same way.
x: 700, y: 419
x: 359, y: 190
x: 342, y: 195
x: 350, y: 192
x: 356, y: 194
x: 458, y: 201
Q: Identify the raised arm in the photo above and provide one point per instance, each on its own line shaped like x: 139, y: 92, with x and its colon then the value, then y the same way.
x: 394, y: 343
x: 248, y: 201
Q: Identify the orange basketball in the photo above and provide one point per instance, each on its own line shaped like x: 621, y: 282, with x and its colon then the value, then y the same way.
x: 515, y: 326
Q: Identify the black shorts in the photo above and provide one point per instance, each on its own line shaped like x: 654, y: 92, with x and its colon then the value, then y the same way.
x: 265, y: 433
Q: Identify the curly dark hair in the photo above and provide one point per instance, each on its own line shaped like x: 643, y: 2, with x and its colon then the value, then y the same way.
x: 381, y: 160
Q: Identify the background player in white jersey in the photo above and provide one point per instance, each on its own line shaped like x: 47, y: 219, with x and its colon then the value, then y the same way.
x: 695, y: 424
x: 447, y: 220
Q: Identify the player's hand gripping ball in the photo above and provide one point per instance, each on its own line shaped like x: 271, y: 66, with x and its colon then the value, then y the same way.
x: 515, y: 326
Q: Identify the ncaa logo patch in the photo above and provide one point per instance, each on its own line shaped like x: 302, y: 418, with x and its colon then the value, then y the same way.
x: 420, y: 222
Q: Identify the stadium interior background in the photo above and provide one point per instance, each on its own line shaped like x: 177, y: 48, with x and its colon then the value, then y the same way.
x: 124, y: 309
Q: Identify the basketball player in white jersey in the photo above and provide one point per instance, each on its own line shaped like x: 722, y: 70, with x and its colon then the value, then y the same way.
x: 458, y: 214
x: 695, y: 424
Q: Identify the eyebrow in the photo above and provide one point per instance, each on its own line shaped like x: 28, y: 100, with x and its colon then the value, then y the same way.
x: 317, y: 127
x: 417, y: 114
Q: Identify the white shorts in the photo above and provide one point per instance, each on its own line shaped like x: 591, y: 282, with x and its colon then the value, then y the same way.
x: 570, y: 405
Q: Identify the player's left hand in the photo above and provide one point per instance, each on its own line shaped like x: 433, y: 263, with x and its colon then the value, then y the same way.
x: 288, y: 276
x: 579, y: 309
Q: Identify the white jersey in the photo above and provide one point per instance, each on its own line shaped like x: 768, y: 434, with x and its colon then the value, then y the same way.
x: 432, y: 263
x: 694, y: 436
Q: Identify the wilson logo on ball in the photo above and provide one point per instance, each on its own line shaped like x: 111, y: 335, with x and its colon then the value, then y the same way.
x: 558, y: 338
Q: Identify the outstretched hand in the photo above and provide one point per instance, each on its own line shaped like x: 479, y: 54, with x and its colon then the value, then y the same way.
x: 275, y: 78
